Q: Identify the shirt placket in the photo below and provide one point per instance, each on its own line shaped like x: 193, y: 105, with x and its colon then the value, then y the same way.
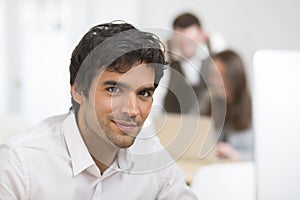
x: 98, y: 191
x: 100, y: 178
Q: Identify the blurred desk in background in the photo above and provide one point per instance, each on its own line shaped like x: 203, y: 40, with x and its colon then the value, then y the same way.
x: 190, y: 140
x: 190, y: 167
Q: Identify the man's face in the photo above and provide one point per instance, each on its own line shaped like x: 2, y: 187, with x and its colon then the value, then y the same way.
x: 117, y: 106
x: 188, y: 39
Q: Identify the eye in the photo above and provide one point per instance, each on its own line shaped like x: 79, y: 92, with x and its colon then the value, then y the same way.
x: 114, y: 90
x: 146, y: 93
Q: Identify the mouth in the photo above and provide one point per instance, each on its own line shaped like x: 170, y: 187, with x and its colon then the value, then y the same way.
x: 125, y: 126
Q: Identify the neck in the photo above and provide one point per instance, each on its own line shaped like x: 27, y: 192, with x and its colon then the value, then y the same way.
x: 101, y: 166
x: 103, y: 152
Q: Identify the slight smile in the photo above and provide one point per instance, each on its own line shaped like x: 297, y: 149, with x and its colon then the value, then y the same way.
x: 125, y: 126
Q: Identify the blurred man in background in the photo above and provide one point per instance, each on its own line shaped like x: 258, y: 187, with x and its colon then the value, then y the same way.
x: 188, y: 53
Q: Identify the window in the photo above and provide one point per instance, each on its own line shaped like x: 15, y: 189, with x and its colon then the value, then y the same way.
x: 3, y: 68
x: 45, y: 58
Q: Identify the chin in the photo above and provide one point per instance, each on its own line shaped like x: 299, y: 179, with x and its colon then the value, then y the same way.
x: 124, y: 145
x: 124, y: 142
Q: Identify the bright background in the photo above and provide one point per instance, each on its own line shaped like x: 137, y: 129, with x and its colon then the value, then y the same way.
x: 38, y: 36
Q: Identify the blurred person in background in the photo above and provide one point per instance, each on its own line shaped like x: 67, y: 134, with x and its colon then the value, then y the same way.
x: 236, y: 139
x: 188, y: 54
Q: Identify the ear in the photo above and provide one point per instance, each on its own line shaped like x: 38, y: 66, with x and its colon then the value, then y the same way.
x: 77, y: 94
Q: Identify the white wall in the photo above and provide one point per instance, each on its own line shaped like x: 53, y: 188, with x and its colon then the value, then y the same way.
x: 87, y: 13
x: 3, y: 69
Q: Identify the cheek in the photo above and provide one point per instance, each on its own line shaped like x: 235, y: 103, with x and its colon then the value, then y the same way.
x: 103, y: 105
x: 215, y: 82
x: 216, y: 85
x: 145, y: 109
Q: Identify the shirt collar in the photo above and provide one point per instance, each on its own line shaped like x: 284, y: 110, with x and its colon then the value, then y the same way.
x: 80, y: 156
x: 124, y: 161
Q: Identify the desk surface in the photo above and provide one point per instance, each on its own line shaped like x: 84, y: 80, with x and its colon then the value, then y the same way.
x: 191, y: 166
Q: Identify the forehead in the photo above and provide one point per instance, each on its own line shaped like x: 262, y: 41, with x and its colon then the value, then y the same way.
x: 136, y: 76
x: 189, y: 31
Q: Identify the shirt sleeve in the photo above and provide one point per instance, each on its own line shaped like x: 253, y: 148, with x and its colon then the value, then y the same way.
x: 173, y: 186
x: 13, y: 179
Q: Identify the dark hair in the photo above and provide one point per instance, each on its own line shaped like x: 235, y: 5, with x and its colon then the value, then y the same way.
x: 113, y: 47
x: 185, y: 20
x: 239, y: 107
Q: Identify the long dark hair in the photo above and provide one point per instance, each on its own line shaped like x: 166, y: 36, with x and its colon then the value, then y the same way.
x: 239, y: 106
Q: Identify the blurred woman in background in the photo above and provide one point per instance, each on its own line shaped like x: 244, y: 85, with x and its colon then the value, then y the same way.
x: 228, y: 87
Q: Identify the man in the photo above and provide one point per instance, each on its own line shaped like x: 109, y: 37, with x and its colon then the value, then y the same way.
x: 188, y: 55
x: 94, y: 152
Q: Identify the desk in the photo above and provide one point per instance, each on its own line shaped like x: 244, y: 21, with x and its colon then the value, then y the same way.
x: 190, y: 166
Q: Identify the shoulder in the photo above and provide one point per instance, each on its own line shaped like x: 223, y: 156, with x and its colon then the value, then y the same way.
x: 242, y: 141
x: 242, y: 134
x: 150, y: 156
x: 45, y: 136
x: 14, y: 182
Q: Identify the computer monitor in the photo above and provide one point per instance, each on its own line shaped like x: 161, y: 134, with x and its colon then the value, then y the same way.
x: 276, y: 109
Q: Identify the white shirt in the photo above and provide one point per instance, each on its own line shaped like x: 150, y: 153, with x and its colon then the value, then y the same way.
x: 191, y: 68
x: 53, y: 163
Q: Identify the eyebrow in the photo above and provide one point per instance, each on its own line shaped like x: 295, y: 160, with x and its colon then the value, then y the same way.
x: 151, y: 89
x: 115, y: 83
x: 123, y: 85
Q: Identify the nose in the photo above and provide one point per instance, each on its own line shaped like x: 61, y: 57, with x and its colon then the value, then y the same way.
x: 130, y: 106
